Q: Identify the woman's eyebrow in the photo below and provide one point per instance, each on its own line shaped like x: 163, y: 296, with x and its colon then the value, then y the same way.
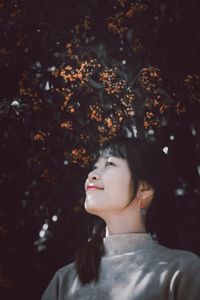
x: 112, y: 156
x: 105, y: 157
x: 108, y: 156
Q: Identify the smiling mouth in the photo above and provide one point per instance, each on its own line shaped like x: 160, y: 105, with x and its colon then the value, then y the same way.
x: 94, y: 188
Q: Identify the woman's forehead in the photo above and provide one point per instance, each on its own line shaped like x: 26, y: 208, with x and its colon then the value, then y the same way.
x: 105, y: 154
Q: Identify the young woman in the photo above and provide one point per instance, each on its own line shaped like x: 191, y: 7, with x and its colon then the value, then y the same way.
x: 131, y: 190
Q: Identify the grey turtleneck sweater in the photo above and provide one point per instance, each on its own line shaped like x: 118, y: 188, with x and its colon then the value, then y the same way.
x: 134, y: 267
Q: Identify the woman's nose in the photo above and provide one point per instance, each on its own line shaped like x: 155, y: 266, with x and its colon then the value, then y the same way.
x: 94, y: 175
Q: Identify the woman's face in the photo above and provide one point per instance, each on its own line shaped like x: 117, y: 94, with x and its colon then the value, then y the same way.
x: 109, y: 187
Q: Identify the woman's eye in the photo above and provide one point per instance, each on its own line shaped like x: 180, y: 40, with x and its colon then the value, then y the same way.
x: 109, y: 163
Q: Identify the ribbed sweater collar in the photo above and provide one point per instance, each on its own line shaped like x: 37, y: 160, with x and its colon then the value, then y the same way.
x: 126, y: 242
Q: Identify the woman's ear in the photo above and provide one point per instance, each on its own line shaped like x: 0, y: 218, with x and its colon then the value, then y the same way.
x: 146, y: 193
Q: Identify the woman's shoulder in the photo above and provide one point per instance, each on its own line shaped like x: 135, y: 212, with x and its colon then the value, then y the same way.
x: 181, y: 257
x: 65, y: 270
x: 60, y: 282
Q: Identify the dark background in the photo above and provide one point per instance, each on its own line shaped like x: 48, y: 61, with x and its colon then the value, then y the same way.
x: 73, y: 74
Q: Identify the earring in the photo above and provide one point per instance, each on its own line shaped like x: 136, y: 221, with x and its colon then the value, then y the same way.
x: 142, y: 210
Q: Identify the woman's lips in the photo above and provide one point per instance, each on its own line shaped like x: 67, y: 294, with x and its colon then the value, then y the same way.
x: 94, y: 187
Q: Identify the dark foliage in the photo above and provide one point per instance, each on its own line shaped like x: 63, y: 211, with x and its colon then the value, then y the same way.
x: 73, y: 74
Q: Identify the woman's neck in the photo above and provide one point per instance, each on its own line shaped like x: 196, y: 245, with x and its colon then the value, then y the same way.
x: 120, y: 224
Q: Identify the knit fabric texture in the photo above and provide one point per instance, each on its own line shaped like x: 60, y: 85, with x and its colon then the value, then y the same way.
x: 134, y: 267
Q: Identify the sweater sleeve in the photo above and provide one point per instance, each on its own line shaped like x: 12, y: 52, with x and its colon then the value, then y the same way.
x: 52, y: 290
x: 186, y: 280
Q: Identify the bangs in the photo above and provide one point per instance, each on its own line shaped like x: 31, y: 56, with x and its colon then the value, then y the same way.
x: 111, y: 148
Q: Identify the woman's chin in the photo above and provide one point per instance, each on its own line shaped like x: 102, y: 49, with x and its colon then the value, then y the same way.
x: 91, y: 209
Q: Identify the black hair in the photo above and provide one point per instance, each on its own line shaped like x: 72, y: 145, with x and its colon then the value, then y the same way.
x: 149, y: 163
